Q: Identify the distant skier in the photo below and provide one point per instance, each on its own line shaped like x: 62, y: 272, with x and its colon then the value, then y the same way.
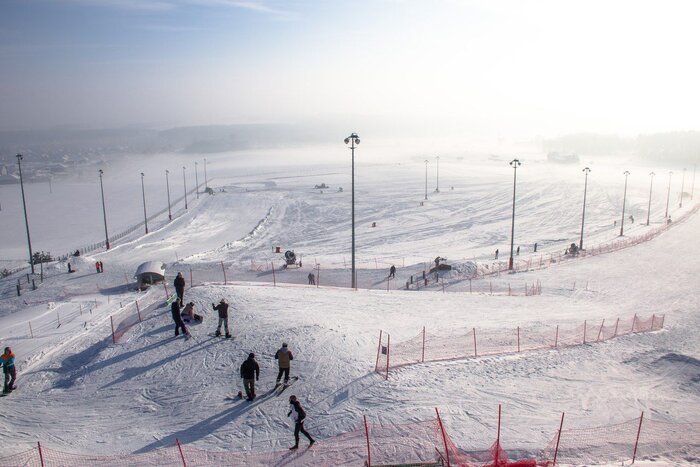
x: 250, y: 372
x: 535, y: 247
x: 222, y: 308
x: 8, y: 367
x: 496, y: 257
x: 517, y: 252
x: 102, y: 268
x: 392, y: 271
x: 298, y: 415
x: 284, y: 357
x: 312, y: 278
x: 97, y: 267
x: 179, y: 284
x: 179, y: 324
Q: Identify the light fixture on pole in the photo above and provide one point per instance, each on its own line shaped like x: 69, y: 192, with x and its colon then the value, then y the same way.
x: 353, y: 139
x: 426, y: 179
x: 196, y: 179
x: 624, y: 198
x: 515, y: 163
x: 104, y: 210
x: 668, y: 194
x: 206, y: 183
x: 24, y: 205
x: 143, y: 195
x: 437, y: 174
x: 586, y: 171
x: 167, y: 186
x: 680, y: 203
x: 184, y: 184
x: 651, y: 184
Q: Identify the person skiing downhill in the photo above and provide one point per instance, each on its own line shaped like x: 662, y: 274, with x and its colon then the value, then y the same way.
x: 250, y: 372
x: 298, y: 415
x: 179, y: 324
x: 179, y: 284
x: 284, y: 357
x: 8, y: 367
x: 222, y: 308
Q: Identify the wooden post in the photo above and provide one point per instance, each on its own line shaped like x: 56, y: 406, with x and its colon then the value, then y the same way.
x: 31, y: 333
x: 474, y: 331
x: 111, y: 320
x: 138, y: 310
x: 388, y: 349
x: 498, y: 437
x: 444, y: 437
x: 616, y: 324
x: 663, y: 318
x: 224, y: 270
x: 518, y: 339
x: 556, y: 337
x: 490, y: 288
x: 653, y: 318
x: 379, y: 350
x: 470, y: 286
x: 182, y: 456
x: 509, y: 289
x: 600, y: 331
x: 636, y: 443
x: 422, y: 357
x: 556, y: 449
x: 369, y: 452
x: 41, y: 454
x: 584, y: 332
x: 191, y: 283
x: 274, y: 278
x: 634, y: 321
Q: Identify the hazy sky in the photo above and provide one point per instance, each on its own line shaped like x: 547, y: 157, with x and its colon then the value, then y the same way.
x: 505, y: 67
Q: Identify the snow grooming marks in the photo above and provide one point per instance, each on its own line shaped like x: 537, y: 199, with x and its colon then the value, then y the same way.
x: 434, y: 348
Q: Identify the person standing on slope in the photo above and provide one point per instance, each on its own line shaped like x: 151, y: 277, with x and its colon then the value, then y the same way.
x: 250, y: 372
x: 298, y: 415
x: 179, y: 324
x: 180, y: 287
x: 392, y: 271
x: 8, y: 367
x: 222, y: 308
x: 284, y: 357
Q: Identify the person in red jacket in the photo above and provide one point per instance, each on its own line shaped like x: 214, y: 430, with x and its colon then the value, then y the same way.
x: 8, y: 367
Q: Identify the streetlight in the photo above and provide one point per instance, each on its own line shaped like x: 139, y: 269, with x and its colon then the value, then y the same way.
x: 184, y: 184
x: 692, y: 187
x: 167, y: 185
x: 206, y: 184
x: 680, y: 203
x: 668, y: 195
x: 426, y: 179
x: 624, y: 198
x: 104, y: 211
x: 651, y: 184
x: 515, y: 163
x: 143, y: 194
x: 586, y: 171
x: 24, y: 205
x: 437, y: 174
x: 353, y: 139
x: 196, y: 179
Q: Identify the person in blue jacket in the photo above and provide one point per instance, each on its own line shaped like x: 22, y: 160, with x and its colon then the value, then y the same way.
x: 8, y: 367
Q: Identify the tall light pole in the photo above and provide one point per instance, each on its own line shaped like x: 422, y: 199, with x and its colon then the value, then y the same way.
x: 586, y: 171
x: 353, y: 139
x: 668, y: 195
x: 624, y: 198
x: 437, y: 174
x: 680, y: 203
x: 692, y: 187
x: 104, y: 211
x: 143, y: 195
x: 24, y: 205
x: 196, y: 179
x: 651, y: 184
x: 184, y: 184
x: 206, y: 183
x: 515, y: 163
x: 167, y: 185
x: 426, y: 179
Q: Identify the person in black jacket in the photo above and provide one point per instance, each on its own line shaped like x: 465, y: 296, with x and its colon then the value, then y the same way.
x: 298, y: 415
x: 222, y: 308
x: 179, y: 324
x: 250, y: 372
x: 180, y: 287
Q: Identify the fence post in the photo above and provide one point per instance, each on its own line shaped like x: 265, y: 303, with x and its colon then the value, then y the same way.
x: 191, y: 278
x: 616, y: 324
x: 369, y: 452
x: 318, y: 276
x: 556, y: 449
x: 470, y: 286
x: 388, y: 349
x: 182, y: 456
x: 634, y: 321
x: 490, y: 288
x: 111, y: 320
x: 224, y: 270
x: 165, y: 286
x: 444, y: 437
x: 653, y: 318
x: 274, y: 278
x: 600, y: 331
x: 518, y: 339
x: 474, y: 330
x: 663, y: 317
x: 379, y: 350
x: 31, y: 333
x: 556, y: 337
x: 138, y: 310
x: 636, y: 443
x: 498, y: 436
x: 41, y: 454
x: 509, y: 289
x: 422, y: 357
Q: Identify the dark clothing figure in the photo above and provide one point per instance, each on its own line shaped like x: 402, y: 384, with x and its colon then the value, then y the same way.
x: 312, y: 278
x: 70, y: 269
x: 517, y: 252
x: 298, y: 415
x: 250, y: 372
x: 97, y: 267
x: 392, y: 271
x: 284, y: 357
x: 496, y: 257
x: 175, y: 310
x: 8, y: 367
x: 222, y: 308
x: 180, y: 286
x: 102, y: 268
x: 535, y: 247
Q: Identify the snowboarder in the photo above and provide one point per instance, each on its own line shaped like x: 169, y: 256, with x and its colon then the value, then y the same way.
x: 222, y: 308
x: 8, y: 367
x: 250, y: 372
x: 312, y: 278
x: 180, y: 286
x: 179, y: 324
x: 298, y: 415
x: 392, y: 271
x: 284, y: 357
x: 496, y: 257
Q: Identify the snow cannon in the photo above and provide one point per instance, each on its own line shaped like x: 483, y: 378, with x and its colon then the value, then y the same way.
x: 290, y: 259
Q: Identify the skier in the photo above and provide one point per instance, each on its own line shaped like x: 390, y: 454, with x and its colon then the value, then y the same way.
x: 250, y: 372
x: 175, y: 310
x: 496, y: 257
x: 535, y: 247
x: 312, y: 278
x: 298, y: 415
x: 8, y: 367
x: 392, y: 271
x: 517, y: 252
x: 222, y: 308
x: 180, y: 286
x: 284, y: 357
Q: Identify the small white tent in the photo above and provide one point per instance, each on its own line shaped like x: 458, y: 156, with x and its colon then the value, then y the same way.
x: 149, y: 273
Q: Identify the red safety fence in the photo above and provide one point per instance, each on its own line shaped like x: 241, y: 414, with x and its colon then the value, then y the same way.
x: 428, y: 347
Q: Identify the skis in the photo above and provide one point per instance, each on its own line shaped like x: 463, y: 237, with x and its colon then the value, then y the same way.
x: 220, y: 335
x: 280, y: 389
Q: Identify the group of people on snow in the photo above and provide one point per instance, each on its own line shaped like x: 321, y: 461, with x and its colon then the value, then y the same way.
x: 98, y: 267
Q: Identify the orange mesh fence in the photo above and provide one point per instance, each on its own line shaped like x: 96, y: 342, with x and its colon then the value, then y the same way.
x: 428, y: 347
x: 28, y: 458
x: 675, y: 440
